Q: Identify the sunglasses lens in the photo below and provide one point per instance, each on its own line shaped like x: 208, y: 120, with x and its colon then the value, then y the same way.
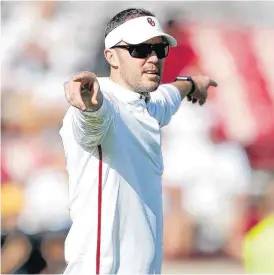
x: 141, y: 51
x: 161, y: 50
x: 145, y: 50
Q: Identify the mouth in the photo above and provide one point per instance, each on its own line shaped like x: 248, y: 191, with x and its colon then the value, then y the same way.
x: 153, y: 72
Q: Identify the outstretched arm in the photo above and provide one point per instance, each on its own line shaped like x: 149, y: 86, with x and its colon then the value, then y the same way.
x: 196, y: 93
x: 91, y: 113
x: 167, y: 99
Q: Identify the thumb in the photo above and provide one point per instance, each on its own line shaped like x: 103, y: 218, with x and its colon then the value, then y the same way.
x: 213, y: 83
x: 95, y: 90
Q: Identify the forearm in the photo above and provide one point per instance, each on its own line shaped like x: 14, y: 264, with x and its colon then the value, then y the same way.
x: 89, y: 127
x: 183, y: 86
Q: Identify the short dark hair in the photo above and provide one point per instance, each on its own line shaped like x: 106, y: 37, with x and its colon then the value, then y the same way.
x: 124, y: 16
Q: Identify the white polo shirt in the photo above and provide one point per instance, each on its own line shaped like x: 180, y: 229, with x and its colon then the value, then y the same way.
x: 114, y: 162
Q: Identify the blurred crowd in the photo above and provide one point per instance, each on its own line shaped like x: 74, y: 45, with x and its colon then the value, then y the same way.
x: 219, y: 159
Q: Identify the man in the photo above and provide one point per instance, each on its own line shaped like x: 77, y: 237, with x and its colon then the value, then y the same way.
x: 112, y: 142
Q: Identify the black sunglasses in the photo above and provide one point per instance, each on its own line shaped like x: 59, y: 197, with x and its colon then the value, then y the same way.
x: 145, y: 50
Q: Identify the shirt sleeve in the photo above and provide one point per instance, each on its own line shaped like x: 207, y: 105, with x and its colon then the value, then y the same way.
x: 164, y: 103
x: 89, y: 128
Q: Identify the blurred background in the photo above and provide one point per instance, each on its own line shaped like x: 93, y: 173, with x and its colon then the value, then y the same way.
x: 219, y: 159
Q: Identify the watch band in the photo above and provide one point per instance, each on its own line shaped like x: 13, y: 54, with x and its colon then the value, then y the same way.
x: 187, y: 78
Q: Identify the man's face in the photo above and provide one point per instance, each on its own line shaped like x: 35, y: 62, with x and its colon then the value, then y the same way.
x: 140, y: 74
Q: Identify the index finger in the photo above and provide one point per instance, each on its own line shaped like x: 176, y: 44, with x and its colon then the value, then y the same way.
x: 213, y: 83
x: 84, y: 76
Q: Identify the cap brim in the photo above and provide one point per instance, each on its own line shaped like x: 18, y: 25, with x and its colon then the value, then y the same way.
x: 138, y: 39
x: 137, y: 31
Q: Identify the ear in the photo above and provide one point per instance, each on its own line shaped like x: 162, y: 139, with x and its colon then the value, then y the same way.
x: 111, y: 57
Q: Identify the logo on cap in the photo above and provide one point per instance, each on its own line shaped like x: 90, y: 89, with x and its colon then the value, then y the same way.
x: 151, y: 22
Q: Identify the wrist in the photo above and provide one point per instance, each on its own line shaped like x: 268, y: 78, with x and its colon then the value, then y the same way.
x: 189, y: 80
x: 185, y: 85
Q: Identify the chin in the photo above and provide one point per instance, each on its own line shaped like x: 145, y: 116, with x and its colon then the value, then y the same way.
x: 146, y: 86
x: 154, y: 87
x: 151, y: 86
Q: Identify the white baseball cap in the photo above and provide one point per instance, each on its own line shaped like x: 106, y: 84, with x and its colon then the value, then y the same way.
x: 136, y: 31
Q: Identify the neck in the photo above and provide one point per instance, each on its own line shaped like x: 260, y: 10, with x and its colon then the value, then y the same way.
x: 115, y: 77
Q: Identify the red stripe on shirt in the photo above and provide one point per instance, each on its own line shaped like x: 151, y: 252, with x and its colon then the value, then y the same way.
x: 98, y: 250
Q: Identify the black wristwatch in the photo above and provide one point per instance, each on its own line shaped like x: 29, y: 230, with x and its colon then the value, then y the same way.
x: 187, y: 78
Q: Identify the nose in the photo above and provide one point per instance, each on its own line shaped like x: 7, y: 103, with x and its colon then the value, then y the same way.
x: 153, y: 57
